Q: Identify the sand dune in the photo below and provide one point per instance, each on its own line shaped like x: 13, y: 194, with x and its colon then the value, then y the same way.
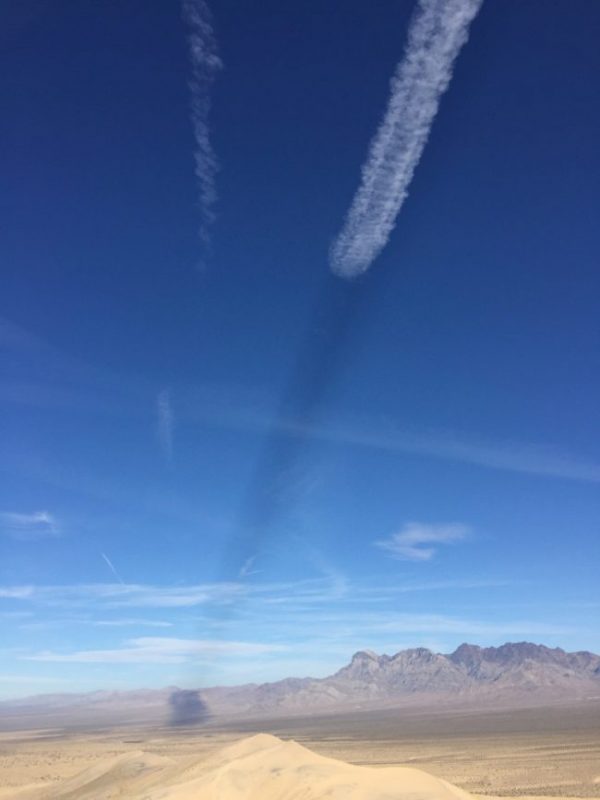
x: 261, y: 767
x: 126, y: 775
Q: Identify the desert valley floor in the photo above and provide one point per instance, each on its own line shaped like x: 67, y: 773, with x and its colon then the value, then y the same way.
x: 539, y: 752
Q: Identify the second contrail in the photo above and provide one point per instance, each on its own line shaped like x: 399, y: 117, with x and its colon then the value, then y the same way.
x: 437, y: 32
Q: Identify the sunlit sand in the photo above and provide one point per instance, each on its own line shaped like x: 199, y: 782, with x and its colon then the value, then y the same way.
x: 539, y: 753
x: 260, y: 767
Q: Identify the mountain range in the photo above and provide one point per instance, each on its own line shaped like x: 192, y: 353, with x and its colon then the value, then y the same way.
x: 510, y: 675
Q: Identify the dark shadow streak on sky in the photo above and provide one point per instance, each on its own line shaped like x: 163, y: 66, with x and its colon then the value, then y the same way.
x: 333, y: 326
x: 340, y: 310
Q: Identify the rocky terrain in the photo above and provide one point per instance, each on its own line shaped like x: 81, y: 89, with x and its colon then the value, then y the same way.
x: 496, y: 676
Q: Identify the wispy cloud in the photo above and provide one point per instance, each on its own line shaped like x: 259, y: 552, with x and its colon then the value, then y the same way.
x: 85, y: 620
x: 247, y: 568
x: 17, y: 592
x: 437, y: 32
x: 281, y: 616
x: 111, y: 567
x: 523, y: 457
x: 130, y: 622
x: 165, y: 424
x: 336, y: 583
x: 205, y: 64
x: 333, y: 589
x: 28, y: 526
x: 41, y: 375
x: 161, y: 650
x: 126, y: 595
x: 419, y: 542
x: 339, y: 636
x: 241, y: 408
x: 440, y: 624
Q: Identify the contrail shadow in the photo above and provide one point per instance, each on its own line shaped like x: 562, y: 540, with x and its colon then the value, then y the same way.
x: 335, y: 321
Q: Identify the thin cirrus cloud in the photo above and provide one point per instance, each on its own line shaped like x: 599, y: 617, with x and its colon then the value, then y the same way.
x: 221, y: 406
x: 161, y: 650
x: 17, y: 592
x: 281, y: 617
x: 121, y: 595
x: 419, y: 542
x: 28, y: 526
x: 333, y: 588
x: 527, y: 458
x: 436, y: 35
x: 247, y: 568
x: 339, y: 635
x: 205, y: 63
x: 130, y: 622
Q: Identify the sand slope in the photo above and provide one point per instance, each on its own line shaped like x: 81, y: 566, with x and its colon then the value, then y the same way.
x: 261, y: 767
x: 127, y: 775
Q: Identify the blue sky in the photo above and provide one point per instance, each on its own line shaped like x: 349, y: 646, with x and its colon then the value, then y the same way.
x: 225, y: 463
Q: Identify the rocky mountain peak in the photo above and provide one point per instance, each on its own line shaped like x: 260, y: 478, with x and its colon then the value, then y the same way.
x: 364, y: 656
x: 466, y: 654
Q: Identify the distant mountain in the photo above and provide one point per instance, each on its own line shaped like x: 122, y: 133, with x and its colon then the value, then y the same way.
x: 527, y: 666
x: 512, y: 674
x: 491, y: 675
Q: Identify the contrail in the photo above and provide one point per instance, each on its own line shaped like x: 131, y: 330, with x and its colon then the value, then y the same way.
x: 165, y: 424
x: 437, y: 32
x: 112, y: 568
x: 205, y: 63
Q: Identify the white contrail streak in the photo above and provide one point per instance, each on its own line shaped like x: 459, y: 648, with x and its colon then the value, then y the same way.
x: 437, y: 32
x: 112, y: 568
x: 205, y: 63
x: 165, y: 424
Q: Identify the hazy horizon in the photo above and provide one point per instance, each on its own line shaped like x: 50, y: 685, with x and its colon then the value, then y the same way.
x: 322, y: 673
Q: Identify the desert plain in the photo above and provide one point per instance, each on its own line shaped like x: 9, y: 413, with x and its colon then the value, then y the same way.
x: 523, y: 752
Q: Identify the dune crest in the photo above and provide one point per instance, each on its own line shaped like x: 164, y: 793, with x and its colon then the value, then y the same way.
x: 261, y: 767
